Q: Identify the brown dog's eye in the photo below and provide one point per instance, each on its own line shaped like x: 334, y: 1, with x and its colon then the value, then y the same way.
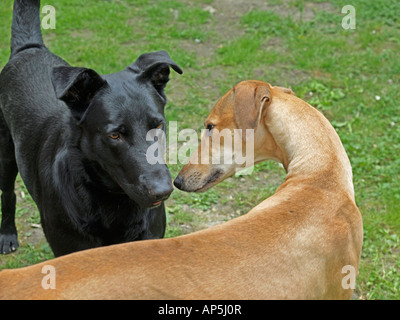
x: 160, y: 126
x: 115, y: 136
x: 210, y: 126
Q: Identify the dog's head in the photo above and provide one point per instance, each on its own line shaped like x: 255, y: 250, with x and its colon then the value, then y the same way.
x: 236, y: 136
x: 115, y: 113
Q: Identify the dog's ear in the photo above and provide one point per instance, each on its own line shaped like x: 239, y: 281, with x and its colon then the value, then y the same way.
x: 154, y: 67
x: 285, y: 90
x: 76, y: 87
x: 248, y: 104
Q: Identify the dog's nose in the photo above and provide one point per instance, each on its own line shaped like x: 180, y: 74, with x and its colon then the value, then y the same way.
x: 161, y: 191
x: 178, y: 182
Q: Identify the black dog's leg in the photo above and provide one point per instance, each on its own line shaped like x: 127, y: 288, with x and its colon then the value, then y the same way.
x: 8, y: 173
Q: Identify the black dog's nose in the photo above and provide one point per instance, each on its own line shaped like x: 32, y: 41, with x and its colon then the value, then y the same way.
x: 161, y: 191
x: 178, y: 182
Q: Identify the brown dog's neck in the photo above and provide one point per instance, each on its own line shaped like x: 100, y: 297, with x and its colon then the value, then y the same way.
x: 308, y: 146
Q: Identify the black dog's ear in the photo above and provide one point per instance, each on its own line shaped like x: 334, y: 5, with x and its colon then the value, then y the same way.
x: 76, y: 87
x: 154, y: 66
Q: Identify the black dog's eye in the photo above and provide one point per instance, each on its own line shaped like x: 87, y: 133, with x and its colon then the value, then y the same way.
x: 115, y: 136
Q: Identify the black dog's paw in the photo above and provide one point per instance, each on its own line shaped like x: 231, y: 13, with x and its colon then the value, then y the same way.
x: 8, y: 243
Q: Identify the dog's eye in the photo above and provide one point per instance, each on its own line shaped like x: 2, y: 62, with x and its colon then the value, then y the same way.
x: 115, y: 136
x: 160, y: 125
x: 210, y: 126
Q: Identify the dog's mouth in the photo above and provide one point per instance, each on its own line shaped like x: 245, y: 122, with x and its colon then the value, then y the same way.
x: 151, y: 204
x: 148, y: 204
x: 141, y: 199
x: 156, y: 204
x: 213, y: 179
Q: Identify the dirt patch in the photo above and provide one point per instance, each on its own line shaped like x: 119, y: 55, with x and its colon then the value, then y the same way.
x: 226, y: 25
x: 236, y: 8
x: 228, y: 10
x: 280, y: 74
x: 228, y: 209
x: 82, y: 34
x: 34, y: 234
x: 306, y: 13
x: 28, y: 231
x: 202, y: 50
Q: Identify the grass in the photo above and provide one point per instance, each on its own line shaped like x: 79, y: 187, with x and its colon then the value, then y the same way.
x: 352, y: 76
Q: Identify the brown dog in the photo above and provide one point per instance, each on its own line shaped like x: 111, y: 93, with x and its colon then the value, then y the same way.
x: 301, y: 243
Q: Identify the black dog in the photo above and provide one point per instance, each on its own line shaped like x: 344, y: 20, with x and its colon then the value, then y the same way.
x: 78, y: 140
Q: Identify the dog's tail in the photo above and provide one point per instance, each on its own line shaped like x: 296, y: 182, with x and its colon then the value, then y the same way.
x: 25, y: 29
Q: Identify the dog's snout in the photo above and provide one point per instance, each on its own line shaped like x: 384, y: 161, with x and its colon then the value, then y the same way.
x: 160, y: 191
x: 178, y: 182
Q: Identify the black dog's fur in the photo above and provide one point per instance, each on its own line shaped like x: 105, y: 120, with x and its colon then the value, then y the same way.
x: 78, y: 140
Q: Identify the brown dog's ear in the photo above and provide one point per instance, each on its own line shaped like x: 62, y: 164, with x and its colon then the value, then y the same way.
x: 285, y: 90
x: 248, y: 104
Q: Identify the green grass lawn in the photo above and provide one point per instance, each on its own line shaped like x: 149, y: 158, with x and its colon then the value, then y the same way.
x: 352, y: 76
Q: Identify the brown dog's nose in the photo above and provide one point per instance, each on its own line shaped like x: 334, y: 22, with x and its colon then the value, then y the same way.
x: 178, y: 182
